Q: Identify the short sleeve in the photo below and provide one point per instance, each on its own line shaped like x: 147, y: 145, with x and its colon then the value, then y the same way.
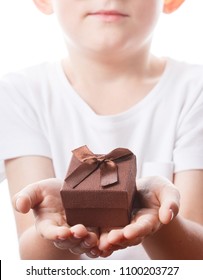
x: 188, y: 152
x: 20, y: 128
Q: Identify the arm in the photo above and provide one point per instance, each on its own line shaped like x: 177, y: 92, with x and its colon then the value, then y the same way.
x: 21, y: 172
x: 183, y: 237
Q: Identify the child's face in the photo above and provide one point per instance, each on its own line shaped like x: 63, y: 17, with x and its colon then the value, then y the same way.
x: 107, y: 25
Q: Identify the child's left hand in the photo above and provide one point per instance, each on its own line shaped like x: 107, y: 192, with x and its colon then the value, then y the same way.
x: 159, y: 201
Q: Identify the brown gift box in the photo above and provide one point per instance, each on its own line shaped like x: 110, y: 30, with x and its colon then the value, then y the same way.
x: 99, y: 189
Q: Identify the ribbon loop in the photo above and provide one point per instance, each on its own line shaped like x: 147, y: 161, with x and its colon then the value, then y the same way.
x: 91, y: 162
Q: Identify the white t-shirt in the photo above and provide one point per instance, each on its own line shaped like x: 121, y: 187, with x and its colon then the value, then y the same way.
x: 41, y: 114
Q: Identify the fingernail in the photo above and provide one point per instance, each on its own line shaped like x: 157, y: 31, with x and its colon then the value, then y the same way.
x: 94, y: 252
x: 18, y: 204
x: 172, y: 214
x: 86, y: 244
x: 61, y: 238
x: 77, y: 236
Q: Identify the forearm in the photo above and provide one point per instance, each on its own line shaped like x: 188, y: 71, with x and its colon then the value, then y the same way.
x: 33, y: 247
x: 180, y: 239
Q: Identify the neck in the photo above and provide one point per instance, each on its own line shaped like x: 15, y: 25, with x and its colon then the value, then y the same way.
x: 104, y: 67
x: 100, y: 80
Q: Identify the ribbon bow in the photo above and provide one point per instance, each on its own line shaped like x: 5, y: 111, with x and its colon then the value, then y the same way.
x: 91, y: 162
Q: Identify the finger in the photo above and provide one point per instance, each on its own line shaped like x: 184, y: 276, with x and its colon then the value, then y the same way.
x: 22, y: 203
x: 142, y: 225
x: 87, y: 242
x: 96, y: 230
x: 170, y: 203
x: 108, y: 239
x: 67, y: 243
x: 115, y: 236
x: 79, y: 250
x: 32, y: 194
x: 166, y: 193
x: 103, y: 242
x: 79, y: 231
x: 94, y: 253
x: 27, y: 198
x: 106, y: 254
x: 80, y: 245
x: 50, y: 230
x: 115, y: 240
x: 90, y: 241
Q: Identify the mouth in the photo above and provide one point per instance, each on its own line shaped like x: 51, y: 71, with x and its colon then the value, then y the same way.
x: 108, y: 15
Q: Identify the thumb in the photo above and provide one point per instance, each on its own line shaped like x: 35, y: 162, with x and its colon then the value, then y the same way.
x: 170, y: 202
x: 27, y: 198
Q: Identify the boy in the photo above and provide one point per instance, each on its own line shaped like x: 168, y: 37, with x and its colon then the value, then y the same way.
x: 109, y: 92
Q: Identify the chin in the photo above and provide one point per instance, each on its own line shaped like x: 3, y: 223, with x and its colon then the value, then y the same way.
x: 107, y: 47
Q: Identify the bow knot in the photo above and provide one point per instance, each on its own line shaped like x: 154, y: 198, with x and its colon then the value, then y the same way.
x: 93, y: 158
x: 91, y: 162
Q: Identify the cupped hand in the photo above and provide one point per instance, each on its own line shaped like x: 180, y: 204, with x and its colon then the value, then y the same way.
x: 44, y: 199
x: 158, y: 204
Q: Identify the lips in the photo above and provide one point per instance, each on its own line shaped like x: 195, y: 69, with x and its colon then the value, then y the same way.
x: 108, y: 15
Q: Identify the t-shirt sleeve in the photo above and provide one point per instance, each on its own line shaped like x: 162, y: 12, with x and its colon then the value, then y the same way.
x: 188, y: 152
x: 22, y: 133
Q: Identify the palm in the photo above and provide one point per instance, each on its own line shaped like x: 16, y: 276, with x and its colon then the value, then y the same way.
x: 157, y: 201
x: 51, y: 208
x: 144, y: 222
x: 49, y: 212
x: 145, y: 216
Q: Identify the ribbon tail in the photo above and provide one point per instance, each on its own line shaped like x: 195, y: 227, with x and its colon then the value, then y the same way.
x: 108, y: 173
x: 80, y: 174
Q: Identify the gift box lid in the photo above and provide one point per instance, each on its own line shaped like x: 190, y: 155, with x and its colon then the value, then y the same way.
x: 89, y: 193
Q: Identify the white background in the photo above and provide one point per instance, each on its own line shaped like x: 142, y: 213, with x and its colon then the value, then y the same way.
x: 27, y: 37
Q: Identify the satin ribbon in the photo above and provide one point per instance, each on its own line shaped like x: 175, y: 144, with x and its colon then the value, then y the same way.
x: 91, y: 162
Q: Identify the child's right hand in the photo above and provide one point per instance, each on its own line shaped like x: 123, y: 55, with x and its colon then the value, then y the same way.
x: 44, y: 198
